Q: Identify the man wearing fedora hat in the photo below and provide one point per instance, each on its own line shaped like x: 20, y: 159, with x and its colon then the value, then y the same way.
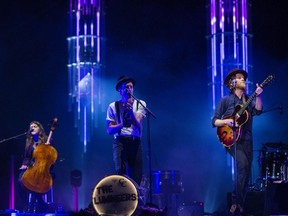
x: 242, y: 150
x: 124, y: 121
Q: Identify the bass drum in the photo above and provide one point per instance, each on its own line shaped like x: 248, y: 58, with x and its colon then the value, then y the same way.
x: 115, y: 195
x: 273, y: 164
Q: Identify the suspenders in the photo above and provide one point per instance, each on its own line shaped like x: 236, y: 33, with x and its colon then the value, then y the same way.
x: 117, y: 110
x: 117, y: 107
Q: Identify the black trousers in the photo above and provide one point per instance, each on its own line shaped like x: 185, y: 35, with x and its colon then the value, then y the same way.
x: 127, y: 156
x: 244, y: 158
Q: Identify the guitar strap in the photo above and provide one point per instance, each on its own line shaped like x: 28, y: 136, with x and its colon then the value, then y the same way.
x: 118, y: 113
x: 244, y: 99
x: 117, y: 110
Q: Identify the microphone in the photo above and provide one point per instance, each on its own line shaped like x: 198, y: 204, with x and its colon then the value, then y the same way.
x: 128, y: 91
x: 281, y: 109
x: 234, y: 81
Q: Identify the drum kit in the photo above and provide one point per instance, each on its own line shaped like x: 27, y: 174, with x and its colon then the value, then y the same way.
x: 273, y: 163
x: 120, y: 195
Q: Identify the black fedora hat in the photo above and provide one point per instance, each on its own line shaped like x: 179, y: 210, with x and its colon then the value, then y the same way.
x: 232, y: 73
x: 124, y: 79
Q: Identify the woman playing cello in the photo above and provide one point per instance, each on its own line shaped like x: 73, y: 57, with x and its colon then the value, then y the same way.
x: 35, y: 135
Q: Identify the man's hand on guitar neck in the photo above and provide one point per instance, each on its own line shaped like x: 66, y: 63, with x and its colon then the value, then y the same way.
x: 258, y: 90
x: 258, y: 104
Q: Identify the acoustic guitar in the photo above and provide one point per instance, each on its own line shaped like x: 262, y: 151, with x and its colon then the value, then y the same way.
x: 37, y: 177
x: 225, y: 133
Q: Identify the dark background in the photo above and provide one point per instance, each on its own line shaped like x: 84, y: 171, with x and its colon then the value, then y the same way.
x: 163, y: 46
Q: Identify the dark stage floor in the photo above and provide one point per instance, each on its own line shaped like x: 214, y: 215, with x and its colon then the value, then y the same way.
x: 271, y: 201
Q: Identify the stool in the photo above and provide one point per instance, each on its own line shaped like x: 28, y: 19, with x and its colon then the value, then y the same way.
x: 47, y: 199
x: 49, y: 196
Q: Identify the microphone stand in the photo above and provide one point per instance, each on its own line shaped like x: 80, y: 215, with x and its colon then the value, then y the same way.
x: 11, y: 200
x: 13, y: 137
x: 273, y: 109
x: 149, y: 113
x: 235, y: 153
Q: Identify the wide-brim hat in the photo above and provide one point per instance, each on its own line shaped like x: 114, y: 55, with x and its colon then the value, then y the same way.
x: 232, y: 73
x: 124, y: 79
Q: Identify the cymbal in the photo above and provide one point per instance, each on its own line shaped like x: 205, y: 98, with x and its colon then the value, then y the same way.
x: 278, y: 145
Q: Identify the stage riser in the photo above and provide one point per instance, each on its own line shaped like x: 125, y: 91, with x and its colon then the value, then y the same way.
x: 33, y: 214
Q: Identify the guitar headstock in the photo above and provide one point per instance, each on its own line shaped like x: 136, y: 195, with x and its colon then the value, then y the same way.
x: 267, y: 80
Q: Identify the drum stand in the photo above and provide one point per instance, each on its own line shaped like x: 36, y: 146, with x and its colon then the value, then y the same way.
x: 266, y: 176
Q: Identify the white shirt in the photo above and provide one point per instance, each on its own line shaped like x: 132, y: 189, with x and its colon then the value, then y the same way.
x: 113, y: 117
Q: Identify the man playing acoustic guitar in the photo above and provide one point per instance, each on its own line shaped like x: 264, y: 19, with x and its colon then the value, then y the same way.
x: 236, y: 111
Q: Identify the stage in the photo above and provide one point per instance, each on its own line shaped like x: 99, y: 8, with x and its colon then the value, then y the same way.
x: 33, y: 214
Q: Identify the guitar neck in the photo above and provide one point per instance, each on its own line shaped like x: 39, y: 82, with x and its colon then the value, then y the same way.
x: 251, y: 98
x: 264, y: 83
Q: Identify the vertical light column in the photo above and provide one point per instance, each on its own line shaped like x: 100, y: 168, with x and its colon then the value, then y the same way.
x: 85, y: 65
x: 229, y: 43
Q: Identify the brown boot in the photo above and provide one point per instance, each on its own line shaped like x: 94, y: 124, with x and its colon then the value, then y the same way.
x: 232, y: 209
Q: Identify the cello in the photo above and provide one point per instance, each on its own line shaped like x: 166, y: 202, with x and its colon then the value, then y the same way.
x: 37, y: 178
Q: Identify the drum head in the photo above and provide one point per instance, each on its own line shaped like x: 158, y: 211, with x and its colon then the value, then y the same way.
x: 167, y: 182
x: 115, y: 195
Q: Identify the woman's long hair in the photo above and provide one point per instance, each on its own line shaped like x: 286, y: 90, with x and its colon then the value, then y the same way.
x: 42, y: 137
